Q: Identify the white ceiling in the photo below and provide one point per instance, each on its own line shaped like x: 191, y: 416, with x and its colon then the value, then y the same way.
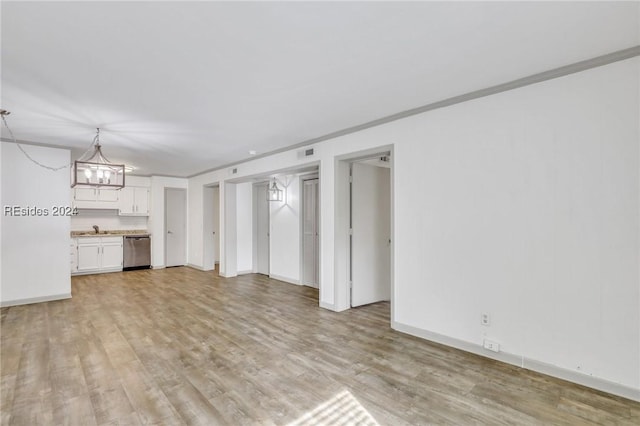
x: 181, y: 87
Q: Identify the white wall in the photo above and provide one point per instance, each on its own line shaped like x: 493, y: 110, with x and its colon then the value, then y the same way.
x: 523, y: 205
x: 35, y: 249
x: 107, y: 220
x: 244, y: 226
x: 157, y: 219
x: 284, y: 226
x: 229, y: 216
x: 1, y: 221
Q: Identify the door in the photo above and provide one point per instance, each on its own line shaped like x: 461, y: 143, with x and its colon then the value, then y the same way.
x: 88, y: 257
x: 310, y: 237
x: 371, y: 233
x: 210, y: 217
x: 85, y: 194
x: 175, y: 226
x: 112, y: 254
x: 109, y: 195
x: 262, y: 229
x: 142, y: 201
x: 216, y: 225
x: 127, y: 200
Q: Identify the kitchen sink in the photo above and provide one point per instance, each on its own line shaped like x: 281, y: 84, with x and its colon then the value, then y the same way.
x: 111, y: 232
x: 97, y: 233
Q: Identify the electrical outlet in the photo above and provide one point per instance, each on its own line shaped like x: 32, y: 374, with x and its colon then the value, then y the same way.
x: 491, y: 345
x: 485, y: 319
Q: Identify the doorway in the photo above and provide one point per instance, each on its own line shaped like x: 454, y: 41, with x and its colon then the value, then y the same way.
x: 261, y: 234
x: 370, y: 230
x: 175, y: 202
x: 211, y: 227
x: 310, y: 264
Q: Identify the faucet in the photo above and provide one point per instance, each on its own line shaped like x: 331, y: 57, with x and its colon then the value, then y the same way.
x: 97, y: 229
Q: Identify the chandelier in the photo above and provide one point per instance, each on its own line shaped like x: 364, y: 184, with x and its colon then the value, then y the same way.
x: 274, y: 193
x: 97, y: 170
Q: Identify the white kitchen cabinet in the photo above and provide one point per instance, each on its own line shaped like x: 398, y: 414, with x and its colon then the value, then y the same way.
x: 99, y: 254
x: 88, y: 257
x: 134, y: 201
x: 111, y: 254
x: 96, y: 198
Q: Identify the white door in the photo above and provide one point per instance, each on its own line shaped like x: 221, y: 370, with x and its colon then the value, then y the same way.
x: 110, y: 195
x: 127, y: 201
x: 370, y: 240
x: 112, y: 255
x: 310, y: 237
x: 89, y: 257
x: 142, y: 200
x: 216, y: 224
x: 262, y: 229
x: 85, y: 194
x: 175, y: 226
x: 210, y: 214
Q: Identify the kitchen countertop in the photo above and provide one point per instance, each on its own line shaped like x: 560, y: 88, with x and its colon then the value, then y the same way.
x: 113, y: 233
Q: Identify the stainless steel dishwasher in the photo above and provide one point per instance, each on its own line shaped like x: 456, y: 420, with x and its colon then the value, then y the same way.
x: 136, y: 252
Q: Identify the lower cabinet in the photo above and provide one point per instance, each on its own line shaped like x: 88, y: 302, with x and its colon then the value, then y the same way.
x: 98, y: 254
x: 112, y: 254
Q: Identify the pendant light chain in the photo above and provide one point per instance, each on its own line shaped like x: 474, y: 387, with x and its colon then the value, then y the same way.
x: 3, y: 114
x: 96, y: 139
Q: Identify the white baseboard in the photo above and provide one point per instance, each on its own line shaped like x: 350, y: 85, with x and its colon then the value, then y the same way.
x: 224, y: 275
x: 245, y: 272
x: 333, y: 307
x: 523, y: 362
x: 582, y: 379
x: 285, y: 279
x: 31, y: 300
x: 158, y: 267
x: 96, y: 272
x: 328, y: 306
x: 198, y: 267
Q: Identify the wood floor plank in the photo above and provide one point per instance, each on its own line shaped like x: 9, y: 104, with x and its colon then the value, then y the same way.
x: 181, y: 346
x: 149, y: 401
x: 75, y: 411
x: 7, y: 393
x: 112, y: 406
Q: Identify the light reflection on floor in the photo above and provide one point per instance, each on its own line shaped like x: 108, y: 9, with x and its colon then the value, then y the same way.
x: 341, y: 410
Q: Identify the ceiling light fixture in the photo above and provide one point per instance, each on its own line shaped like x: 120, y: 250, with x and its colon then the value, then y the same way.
x: 274, y: 193
x: 97, y: 170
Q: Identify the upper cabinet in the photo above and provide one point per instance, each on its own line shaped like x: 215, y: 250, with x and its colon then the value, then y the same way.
x: 95, y: 198
x: 134, y: 201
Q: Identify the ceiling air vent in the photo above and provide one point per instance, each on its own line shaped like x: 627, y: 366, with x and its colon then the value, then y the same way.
x: 233, y: 171
x: 306, y: 152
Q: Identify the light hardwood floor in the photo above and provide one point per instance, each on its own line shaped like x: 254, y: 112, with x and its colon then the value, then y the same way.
x: 181, y: 346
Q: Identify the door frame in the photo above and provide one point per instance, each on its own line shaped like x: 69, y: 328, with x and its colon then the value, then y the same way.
x: 186, y: 226
x: 342, y: 251
x: 302, y: 178
x: 352, y: 223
